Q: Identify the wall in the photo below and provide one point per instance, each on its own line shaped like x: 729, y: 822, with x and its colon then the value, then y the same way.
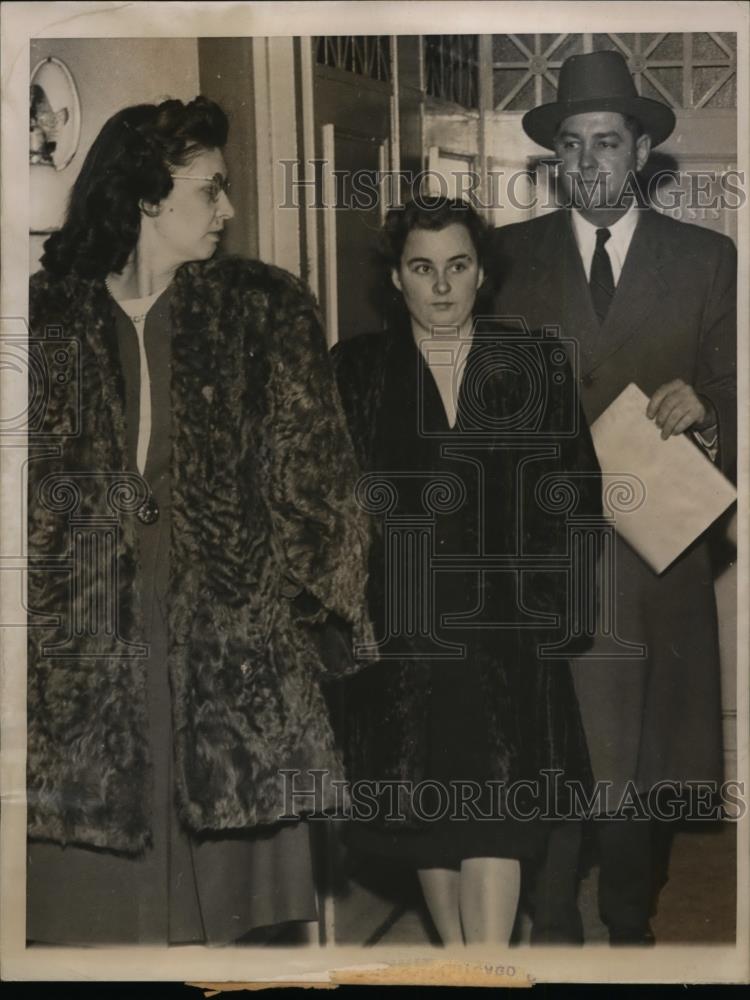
x: 226, y: 76
x: 110, y: 74
x: 356, y: 110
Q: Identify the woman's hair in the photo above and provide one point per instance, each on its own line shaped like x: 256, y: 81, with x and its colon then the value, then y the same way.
x: 432, y: 213
x: 127, y: 164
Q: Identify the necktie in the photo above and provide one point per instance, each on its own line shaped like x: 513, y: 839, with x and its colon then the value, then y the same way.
x: 601, y: 282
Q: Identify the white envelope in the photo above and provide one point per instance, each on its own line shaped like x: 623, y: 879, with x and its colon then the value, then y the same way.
x: 662, y: 494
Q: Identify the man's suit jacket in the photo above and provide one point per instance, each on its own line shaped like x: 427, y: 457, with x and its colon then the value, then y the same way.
x: 673, y: 316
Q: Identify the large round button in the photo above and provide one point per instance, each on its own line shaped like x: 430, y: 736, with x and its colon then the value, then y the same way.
x: 148, y: 513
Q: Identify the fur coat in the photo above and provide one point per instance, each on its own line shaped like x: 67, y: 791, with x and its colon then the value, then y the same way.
x: 262, y: 497
x: 519, y: 426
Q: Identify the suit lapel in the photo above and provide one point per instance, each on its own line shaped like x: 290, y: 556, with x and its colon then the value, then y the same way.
x: 640, y: 288
x: 560, y: 282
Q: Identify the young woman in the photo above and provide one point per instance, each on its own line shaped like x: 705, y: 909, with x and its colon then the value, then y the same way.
x: 458, y: 426
x: 201, y: 433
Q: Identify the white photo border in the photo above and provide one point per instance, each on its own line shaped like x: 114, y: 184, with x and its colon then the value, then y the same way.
x: 20, y: 23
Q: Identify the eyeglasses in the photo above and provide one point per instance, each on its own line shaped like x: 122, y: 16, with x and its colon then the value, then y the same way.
x: 218, y: 183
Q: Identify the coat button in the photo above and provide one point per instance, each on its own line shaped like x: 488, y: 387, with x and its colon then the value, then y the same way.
x: 148, y: 513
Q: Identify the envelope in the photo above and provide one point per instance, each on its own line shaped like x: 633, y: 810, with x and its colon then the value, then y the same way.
x: 661, y: 494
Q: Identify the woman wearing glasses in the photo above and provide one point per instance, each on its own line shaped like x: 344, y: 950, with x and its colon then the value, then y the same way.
x: 199, y: 460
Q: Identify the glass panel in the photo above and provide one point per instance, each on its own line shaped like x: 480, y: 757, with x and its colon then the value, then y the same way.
x: 571, y: 45
x: 648, y: 90
x: 525, y: 99
x: 627, y: 40
x: 730, y: 40
x: 602, y: 43
x: 705, y: 48
x: 705, y: 78
x: 670, y: 48
x: 671, y: 80
x: 544, y: 42
x: 605, y: 43
x: 504, y: 50
x: 528, y: 41
x: 505, y: 80
x: 549, y: 93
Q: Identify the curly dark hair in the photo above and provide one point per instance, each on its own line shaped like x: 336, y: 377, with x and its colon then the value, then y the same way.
x: 128, y: 163
x: 432, y: 213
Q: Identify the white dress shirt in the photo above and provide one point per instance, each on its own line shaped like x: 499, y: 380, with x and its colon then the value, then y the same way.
x: 617, y: 245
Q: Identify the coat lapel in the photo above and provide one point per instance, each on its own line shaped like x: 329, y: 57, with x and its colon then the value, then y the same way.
x: 401, y: 401
x: 95, y: 312
x: 640, y: 288
x: 192, y: 383
x: 192, y: 395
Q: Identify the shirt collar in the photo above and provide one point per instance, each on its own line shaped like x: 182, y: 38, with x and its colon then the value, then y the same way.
x: 622, y: 230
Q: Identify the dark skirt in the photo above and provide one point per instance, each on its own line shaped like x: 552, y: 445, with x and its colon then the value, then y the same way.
x: 458, y: 753
x: 448, y: 842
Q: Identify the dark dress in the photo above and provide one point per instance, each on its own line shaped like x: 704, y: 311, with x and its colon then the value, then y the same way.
x: 183, y: 889
x: 492, y: 713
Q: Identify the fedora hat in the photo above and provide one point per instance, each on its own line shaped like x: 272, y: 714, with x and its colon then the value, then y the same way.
x: 597, y: 81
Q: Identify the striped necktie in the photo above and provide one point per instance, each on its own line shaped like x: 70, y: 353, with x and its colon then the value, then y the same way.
x: 601, y: 282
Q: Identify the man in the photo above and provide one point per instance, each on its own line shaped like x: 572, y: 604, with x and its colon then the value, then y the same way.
x: 649, y: 300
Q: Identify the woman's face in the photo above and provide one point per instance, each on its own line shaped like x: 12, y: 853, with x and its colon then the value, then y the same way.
x: 439, y: 276
x: 190, y: 219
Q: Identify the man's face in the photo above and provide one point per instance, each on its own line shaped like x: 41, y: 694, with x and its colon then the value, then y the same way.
x: 598, y: 154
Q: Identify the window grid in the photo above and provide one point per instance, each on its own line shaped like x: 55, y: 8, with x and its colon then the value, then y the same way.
x: 690, y: 70
x: 452, y: 68
x: 365, y: 55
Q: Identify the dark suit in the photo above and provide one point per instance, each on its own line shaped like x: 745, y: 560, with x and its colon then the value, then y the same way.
x: 673, y: 315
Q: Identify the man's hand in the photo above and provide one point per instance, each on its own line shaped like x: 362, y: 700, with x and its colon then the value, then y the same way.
x: 676, y: 407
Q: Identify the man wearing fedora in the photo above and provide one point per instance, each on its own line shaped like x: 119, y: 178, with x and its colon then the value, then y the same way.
x: 653, y: 301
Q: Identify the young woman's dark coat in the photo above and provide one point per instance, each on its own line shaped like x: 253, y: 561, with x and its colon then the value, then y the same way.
x: 519, y: 458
